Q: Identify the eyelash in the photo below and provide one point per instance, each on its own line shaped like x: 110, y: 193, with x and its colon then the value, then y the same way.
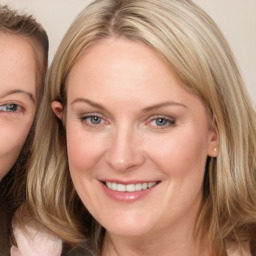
x: 168, y: 121
x: 88, y: 120
x: 10, y: 108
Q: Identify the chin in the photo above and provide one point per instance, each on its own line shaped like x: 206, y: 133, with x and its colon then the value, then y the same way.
x: 128, y: 229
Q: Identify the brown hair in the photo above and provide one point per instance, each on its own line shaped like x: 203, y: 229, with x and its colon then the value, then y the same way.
x: 12, y: 187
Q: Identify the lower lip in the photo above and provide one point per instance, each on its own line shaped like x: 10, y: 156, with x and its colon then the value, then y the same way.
x: 126, y: 196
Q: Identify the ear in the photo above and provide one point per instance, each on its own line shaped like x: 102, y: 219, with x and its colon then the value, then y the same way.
x: 213, y: 145
x: 57, y: 109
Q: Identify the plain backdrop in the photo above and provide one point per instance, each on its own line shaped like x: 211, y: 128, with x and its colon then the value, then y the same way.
x: 236, y: 19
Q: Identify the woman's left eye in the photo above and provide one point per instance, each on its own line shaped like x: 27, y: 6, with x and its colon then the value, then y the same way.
x: 162, y: 122
x: 9, y: 107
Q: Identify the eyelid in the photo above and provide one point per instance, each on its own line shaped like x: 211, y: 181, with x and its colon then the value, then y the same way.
x: 171, y: 121
x: 16, y: 102
x: 86, y: 115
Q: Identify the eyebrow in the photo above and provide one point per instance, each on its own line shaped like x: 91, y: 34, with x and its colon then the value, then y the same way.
x: 146, y: 109
x: 83, y: 100
x: 164, y: 104
x: 28, y: 94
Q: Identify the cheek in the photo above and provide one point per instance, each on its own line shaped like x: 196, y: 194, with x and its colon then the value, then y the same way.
x: 84, y: 150
x: 12, y: 136
x: 84, y: 154
x: 180, y: 153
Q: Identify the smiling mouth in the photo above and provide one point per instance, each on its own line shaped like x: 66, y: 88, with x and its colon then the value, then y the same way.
x: 130, y: 187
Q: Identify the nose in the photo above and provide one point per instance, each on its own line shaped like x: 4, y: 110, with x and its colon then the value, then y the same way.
x: 125, y: 152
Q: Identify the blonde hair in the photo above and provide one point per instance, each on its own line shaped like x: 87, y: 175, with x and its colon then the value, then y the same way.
x: 192, y: 45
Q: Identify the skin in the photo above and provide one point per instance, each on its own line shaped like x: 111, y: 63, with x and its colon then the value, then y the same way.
x: 128, y: 119
x: 17, y: 97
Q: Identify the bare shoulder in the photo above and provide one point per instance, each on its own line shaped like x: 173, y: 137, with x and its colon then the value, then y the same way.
x: 34, y: 239
x: 239, y: 250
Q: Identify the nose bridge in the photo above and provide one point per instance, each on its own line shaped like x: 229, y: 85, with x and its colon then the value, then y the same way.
x: 124, y: 152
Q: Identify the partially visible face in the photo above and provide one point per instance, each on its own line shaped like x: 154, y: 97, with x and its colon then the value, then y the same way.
x: 17, y: 97
x: 137, y: 140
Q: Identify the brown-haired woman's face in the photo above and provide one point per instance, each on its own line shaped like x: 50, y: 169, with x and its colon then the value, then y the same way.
x: 17, y: 97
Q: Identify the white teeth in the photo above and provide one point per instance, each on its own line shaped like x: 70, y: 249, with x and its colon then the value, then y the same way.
x: 130, y: 187
x: 138, y: 187
x: 151, y: 184
x: 120, y: 187
x: 114, y: 186
x: 144, y: 186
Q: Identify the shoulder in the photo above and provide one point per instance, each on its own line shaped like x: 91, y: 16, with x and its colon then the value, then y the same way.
x: 33, y: 239
x: 239, y: 250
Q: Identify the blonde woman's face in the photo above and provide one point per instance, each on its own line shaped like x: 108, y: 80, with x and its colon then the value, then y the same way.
x: 17, y: 97
x: 137, y: 141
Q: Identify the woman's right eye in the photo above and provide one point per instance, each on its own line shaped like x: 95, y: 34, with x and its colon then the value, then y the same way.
x: 10, y: 107
x: 93, y: 120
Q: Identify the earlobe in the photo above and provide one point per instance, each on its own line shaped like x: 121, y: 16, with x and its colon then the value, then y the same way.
x: 214, y: 152
x: 57, y: 109
x: 213, y: 149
